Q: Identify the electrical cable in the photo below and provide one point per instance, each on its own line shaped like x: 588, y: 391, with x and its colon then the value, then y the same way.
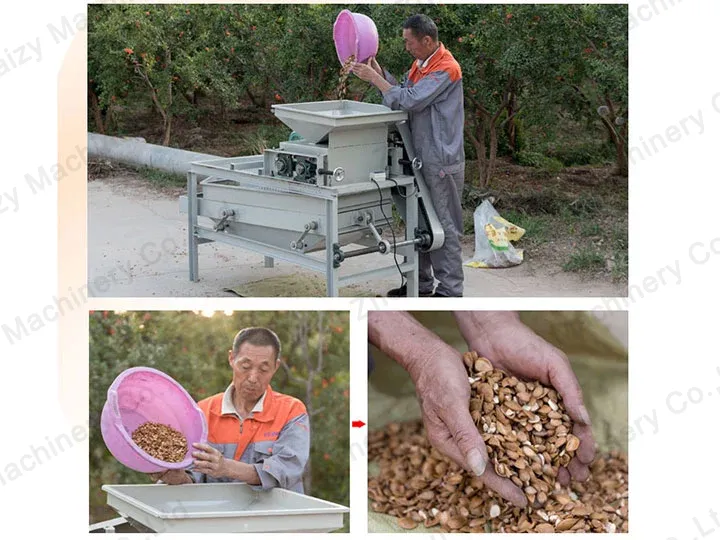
x: 402, y: 276
x: 398, y: 188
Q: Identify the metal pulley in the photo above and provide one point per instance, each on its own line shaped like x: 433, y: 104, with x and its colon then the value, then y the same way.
x: 338, y: 173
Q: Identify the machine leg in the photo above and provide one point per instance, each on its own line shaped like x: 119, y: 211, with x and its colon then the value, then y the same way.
x: 411, y: 223
x: 192, y: 223
x: 331, y: 238
x: 269, y: 262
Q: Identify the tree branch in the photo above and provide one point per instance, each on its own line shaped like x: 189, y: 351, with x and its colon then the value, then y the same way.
x: 510, y: 117
x: 170, y: 82
x: 291, y: 375
x: 497, y: 114
x: 153, y: 92
x: 317, y: 411
x: 320, y: 342
x: 471, y: 133
x: 479, y: 106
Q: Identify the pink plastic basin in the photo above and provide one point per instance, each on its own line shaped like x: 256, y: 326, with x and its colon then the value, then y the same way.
x: 355, y: 33
x: 140, y: 395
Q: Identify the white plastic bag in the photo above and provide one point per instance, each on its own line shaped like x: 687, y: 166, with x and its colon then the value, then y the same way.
x: 493, y: 235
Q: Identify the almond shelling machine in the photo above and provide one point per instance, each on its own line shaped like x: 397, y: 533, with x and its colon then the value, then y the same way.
x: 331, y: 189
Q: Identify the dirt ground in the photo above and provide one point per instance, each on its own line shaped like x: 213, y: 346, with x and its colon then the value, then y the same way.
x: 138, y: 247
x: 576, y: 219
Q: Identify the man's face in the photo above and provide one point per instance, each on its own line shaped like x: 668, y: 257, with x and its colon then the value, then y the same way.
x: 419, y: 48
x: 253, y: 367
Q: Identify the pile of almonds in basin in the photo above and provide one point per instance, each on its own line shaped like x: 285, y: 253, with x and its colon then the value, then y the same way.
x: 528, y: 437
x: 161, y: 442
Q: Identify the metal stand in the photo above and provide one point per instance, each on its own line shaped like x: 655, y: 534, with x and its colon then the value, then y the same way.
x: 306, y: 195
x: 192, y: 226
x: 413, y: 257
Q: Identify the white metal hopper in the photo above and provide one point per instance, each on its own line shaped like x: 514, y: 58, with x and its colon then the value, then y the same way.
x: 223, y: 508
x: 314, y: 120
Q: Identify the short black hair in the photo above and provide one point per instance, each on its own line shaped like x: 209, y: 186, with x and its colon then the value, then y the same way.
x: 258, y: 336
x: 422, y: 25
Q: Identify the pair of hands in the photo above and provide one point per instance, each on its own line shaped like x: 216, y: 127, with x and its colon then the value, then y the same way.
x: 443, y: 390
x: 368, y: 72
x: 208, y: 461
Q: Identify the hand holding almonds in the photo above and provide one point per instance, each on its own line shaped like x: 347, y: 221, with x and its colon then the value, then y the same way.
x: 528, y: 437
x: 525, y: 428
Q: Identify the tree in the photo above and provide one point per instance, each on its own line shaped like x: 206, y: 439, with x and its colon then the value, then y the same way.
x: 599, y: 74
x: 536, y: 64
x: 161, y: 52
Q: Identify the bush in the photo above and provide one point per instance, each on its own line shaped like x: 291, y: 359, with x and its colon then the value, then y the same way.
x: 539, y: 161
x: 583, y: 153
x: 504, y: 148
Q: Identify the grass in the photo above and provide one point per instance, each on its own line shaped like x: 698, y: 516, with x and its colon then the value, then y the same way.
x: 586, y: 206
x: 585, y: 260
x: 561, y: 215
x: 619, y: 242
x: 588, y: 228
x: 265, y: 136
x: 537, y: 227
x: 162, y: 179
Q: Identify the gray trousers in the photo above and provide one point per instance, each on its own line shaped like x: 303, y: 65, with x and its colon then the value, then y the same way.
x: 445, y: 264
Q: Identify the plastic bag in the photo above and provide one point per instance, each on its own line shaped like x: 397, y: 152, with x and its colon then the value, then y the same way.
x: 493, y: 235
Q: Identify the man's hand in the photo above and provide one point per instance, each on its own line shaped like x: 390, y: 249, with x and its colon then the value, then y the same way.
x: 368, y: 73
x: 172, y: 477
x: 443, y: 390
x: 442, y: 387
x: 365, y: 71
x: 210, y: 461
x: 374, y: 64
x: 516, y: 349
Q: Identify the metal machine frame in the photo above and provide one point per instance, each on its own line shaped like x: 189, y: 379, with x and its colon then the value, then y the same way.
x: 195, y: 206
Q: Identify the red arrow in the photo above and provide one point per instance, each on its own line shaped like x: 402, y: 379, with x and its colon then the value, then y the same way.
x: 358, y: 423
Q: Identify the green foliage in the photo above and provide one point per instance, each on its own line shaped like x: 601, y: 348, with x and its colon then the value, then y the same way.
x: 537, y: 228
x: 619, y: 239
x: 266, y: 136
x: 535, y: 159
x: 593, y: 152
x: 590, y: 229
x: 193, y: 349
x: 585, y: 206
x: 162, y: 179
x: 585, y: 260
x: 534, y: 68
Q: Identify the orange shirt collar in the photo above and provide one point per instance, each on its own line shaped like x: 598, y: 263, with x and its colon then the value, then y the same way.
x: 436, y: 57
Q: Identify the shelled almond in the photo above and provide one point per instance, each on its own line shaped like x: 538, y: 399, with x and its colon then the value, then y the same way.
x: 345, y: 70
x: 526, y: 430
x: 161, y: 441
x: 418, y: 485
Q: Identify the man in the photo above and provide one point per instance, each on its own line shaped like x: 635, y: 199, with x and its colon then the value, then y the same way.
x: 255, y: 435
x: 432, y: 94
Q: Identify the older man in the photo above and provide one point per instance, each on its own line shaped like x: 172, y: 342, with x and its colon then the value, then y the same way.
x: 255, y: 435
x: 432, y: 94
